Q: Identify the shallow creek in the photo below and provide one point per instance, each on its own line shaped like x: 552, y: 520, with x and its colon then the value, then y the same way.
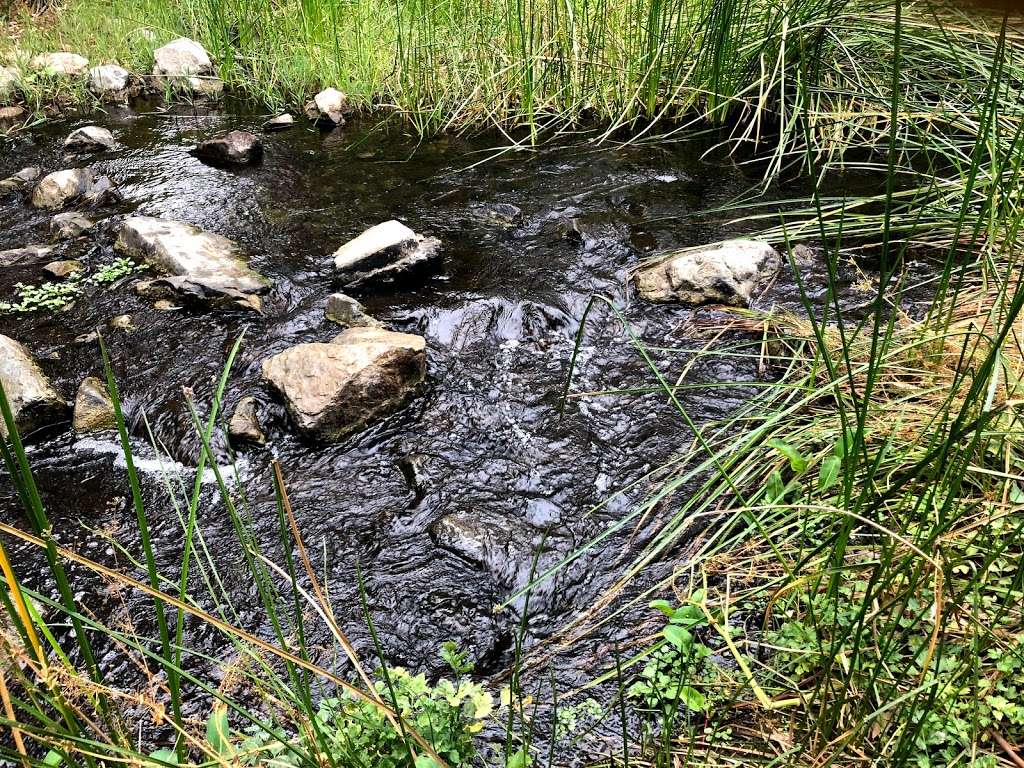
x: 528, y: 237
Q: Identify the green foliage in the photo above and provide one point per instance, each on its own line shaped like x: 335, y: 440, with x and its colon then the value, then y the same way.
x: 55, y: 295
x: 458, y: 660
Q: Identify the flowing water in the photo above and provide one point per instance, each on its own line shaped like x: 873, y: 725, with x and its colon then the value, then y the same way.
x: 528, y: 237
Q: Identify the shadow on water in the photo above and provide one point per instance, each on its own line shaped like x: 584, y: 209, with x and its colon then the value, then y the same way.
x: 444, y: 502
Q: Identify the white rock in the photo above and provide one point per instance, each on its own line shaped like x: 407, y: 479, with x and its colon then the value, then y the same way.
x: 108, y: 78
x: 181, y: 58
x: 200, y: 264
x: 721, y: 273
x: 8, y: 83
x: 62, y: 187
x: 61, y: 63
x: 89, y: 137
x: 282, y: 122
x: 34, y: 402
x: 30, y: 254
x: 329, y: 106
x: 385, y: 253
x: 70, y: 224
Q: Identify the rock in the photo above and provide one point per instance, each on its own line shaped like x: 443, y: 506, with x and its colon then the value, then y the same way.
x: 58, y: 189
x: 90, y: 138
x: 163, y: 305
x: 70, y: 224
x: 346, y: 311
x: 28, y: 255
x: 87, y: 338
x: 60, y: 269
x: 195, y: 263
x: 61, y: 64
x: 233, y: 148
x: 34, y: 402
x: 328, y: 108
x: 8, y: 83
x: 280, y: 123
x: 721, y: 273
x: 504, y: 215
x: 11, y: 115
x: 244, y: 426
x: 22, y: 178
x: 181, y: 58
x: 205, y: 87
x: 94, y: 410
x: 333, y: 389
x: 491, y: 541
x: 121, y: 323
x: 108, y: 79
x: 385, y: 253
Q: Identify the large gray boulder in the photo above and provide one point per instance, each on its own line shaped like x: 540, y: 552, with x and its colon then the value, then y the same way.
x: 722, y: 273
x: 89, y: 138
x: 386, y: 253
x: 108, y: 79
x: 331, y: 390
x: 232, y: 148
x: 94, y: 410
x: 182, y: 58
x: 60, y: 64
x: 192, y: 262
x: 34, y: 402
x: 58, y: 189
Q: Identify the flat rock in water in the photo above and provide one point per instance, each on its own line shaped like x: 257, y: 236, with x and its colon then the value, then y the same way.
x: 89, y: 137
x: 721, y: 273
x: 58, y: 189
x: 491, y: 541
x: 21, y: 179
x: 386, y: 253
x: 108, y: 79
x: 232, y: 148
x: 347, y: 312
x: 69, y: 224
x: 280, y: 123
x: 244, y: 425
x: 328, y: 107
x: 60, y: 63
x: 63, y: 268
x: 331, y: 390
x: 181, y: 58
x: 34, y: 402
x: 30, y: 254
x: 192, y: 262
x: 94, y: 410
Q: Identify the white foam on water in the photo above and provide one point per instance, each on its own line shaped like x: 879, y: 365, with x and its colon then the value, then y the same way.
x: 157, y: 463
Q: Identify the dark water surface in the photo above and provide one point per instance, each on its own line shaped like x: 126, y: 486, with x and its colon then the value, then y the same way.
x: 482, y: 441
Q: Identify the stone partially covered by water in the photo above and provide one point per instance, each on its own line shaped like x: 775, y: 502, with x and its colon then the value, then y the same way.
x: 108, y: 79
x: 331, y: 390
x: 328, y: 108
x: 33, y: 400
x: 232, y: 148
x: 723, y: 273
x: 191, y: 262
x: 89, y: 138
x: 281, y: 122
x: 58, y: 189
x: 347, y: 312
x: 244, y: 426
x: 94, y: 410
x: 21, y: 179
x: 69, y: 224
x: 30, y: 254
x: 384, y: 254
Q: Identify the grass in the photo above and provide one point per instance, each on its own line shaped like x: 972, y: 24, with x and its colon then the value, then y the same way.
x: 849, y: 562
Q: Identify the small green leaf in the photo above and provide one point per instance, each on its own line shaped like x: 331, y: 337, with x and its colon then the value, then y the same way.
x: 664, y: 606
x: 53, y: 758
x: 217, y: 731
x: 829, y: 474
x: 680, y: 637
x: 165, y: 756
x: 774, y: 488
x: 693, y: 698
x: 796, y: 460
x: 520, y: 759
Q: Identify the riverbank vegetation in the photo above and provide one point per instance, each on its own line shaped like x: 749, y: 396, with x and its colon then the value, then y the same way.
x: 850, y: 568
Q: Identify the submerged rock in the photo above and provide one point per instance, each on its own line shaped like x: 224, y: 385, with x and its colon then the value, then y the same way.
x: 69, y: 224
x: 331, y: 390
x: 192, y: 262
x: 488, y: 540
x: 347, y: 312
x: 722, y: 273
x: 34, y: 402
x: 60, y: 63
x: 384, y: 254
x: 108, y: 79
x: 244, y: 426
x: 282, y: 122
x: 232, y: 148
x: 63, y: 268
x: 89, y: 137
x: 181, y: 58
x: 21, y: 179
x: 27, y: 255
x: 328, y: 108
x: 94, y: 410
x: 58, y: 189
